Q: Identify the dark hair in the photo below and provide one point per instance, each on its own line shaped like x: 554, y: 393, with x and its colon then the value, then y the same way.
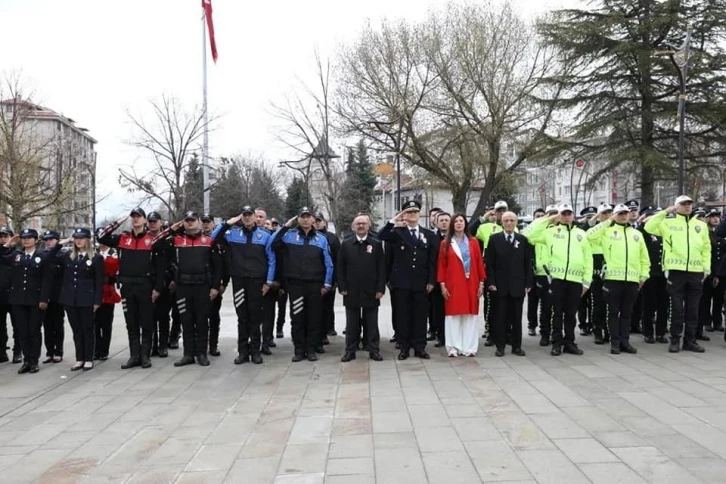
x: 450, y: 233
x: 441, y: 214
x: 435, y: 209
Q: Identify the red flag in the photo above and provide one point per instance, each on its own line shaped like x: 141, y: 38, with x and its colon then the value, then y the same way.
x: 207, y: 6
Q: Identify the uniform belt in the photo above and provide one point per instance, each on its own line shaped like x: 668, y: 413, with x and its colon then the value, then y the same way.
x: 134, y: 280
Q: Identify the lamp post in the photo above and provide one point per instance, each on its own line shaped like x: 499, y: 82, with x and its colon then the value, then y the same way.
x: 680, y: 57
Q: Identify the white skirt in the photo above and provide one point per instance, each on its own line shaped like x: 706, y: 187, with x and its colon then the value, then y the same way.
x: 462, y: 334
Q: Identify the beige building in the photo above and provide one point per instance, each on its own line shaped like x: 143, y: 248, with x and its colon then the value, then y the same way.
x: 68, y: 167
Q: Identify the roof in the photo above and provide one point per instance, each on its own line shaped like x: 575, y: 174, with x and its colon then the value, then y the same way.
x: 36, y: 111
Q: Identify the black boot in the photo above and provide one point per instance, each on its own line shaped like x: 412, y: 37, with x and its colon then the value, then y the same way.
x: 598, y: 337
x: 163, y: 351
x: 203, y: 360
x: 214, y: 351
x: 544, y: 340
x: 185, y: 360
x: 675, y: 345
x: 17, y: 356
x: 132, y: 362
x: 256, y: 358
x: 693, y: 346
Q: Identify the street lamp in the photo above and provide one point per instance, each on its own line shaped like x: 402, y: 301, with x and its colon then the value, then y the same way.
x: 680, y: 57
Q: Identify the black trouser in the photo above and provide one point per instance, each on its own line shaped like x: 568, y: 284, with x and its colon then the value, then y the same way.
x: 544, y: 294
x: 635, y: 322
x: 711, y: 304
x: 411, y: 312
x: 394, y: 320
x: 655, y: 300
x: 565, y: 298
x: 532, y: 308
x: 281, y: 296
x: 685, y: 289
x: 162, y: 320
x: 5, y: 309
x: 306, y: 314
x: 367, y: 318
x: 584, y: 311
x: 214, y: 322
x: 267, y: 317
x: 194, y: 304
x: 328, y: 312
x: 598, y: 305
x: 489, y: 312
x: 139, y: 314
x: 28, y: 320
x: 436, y: 312
x: 53, y: 329
x: 247, y: 297
x: 508, y: 321
x: 81, y: 319
x: 175, y: 330
x: 620, y: 298
x: 104, y: 327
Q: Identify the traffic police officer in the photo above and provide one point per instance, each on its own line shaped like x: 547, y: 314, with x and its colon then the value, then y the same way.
x: 53, y: 320
x: 710, y: 315
x: 252, y: 268
x: 686, y: 261
x: 570, y: 265
x: 597, y: 302
x: 627, y: 267
x: 413, y: 277
x: 656, y: 301
x: 543, y: 293
x: 584, y: 312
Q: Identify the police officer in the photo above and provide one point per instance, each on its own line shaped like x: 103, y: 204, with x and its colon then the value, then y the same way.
x: 81, y: 294
x: 141, y: 274
x: 627, y: 267
x: 710, y: 315
x: 413, y: 277
x: 5, y: 309
x: 308, y: 273
x: 597, y: 303
x: 30, y: 281
x: 656, y: 301
x: 269, y: 300
x: 584, y: 312
x: 542, y: 286
x: 103, y: 317
x: 252, y: 268
x: 214, y: 312
x: 533, y: 297
x: 570, y: 266
x: 636, y: 222
x: 53, y: 320
x: 321, y: 225
x: 198, y: 276
x: 686, y: 261
x: 162, y: 306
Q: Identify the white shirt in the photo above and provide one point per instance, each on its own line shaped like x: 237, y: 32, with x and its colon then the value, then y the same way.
x: 361, y: 240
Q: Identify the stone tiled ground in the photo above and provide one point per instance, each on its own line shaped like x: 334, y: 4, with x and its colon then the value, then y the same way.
x: 652, y: 417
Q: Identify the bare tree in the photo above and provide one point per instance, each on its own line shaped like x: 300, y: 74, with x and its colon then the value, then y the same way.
x: 305, y: 128
x: 38, y: 164
x: 167, y: 143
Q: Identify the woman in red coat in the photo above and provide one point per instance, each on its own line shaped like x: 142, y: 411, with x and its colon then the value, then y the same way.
x: 104, y: 314
x: 461, y: 275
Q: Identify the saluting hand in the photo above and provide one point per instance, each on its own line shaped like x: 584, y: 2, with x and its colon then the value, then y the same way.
x: 65, y: 241
x: 671, y: 209
x: 13, y: 241
x: 122, y: 220
x: 177, y: 225
x: 291, y: 222
x: 234, y: 220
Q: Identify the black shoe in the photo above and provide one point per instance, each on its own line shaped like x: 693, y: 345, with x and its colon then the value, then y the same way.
x: 17, y: 357
x: 376, y: 357
x: 132, y: 362
x: 675, y: 346
x: 518, y: 352
x: 33, y: 368
x: 332, y: 332
x: 403, y: 356
x: 174, y: 344
x: 599, y: 340
x: 585, y: 331
x: 693, y: 346
x: 544, y: 340
x: 48, y: 360
x: 422, y: 354
x: 499, y: 352
x: 718, y: 328
x: 320, y: 350
x: 393, y: 339
x: 430, y: 337
x: 398, y: 346
x: 103, y: 358
x: 184, y: 361
x: 163, y: 352
x: 556, y: 350
x: 532, y: 332
x: 702, y: 337
x: 4, y: 357
x: 312, y: 356
x: 488, y: 343
x: 145, y: 362
x: 649, y: 339
x: 257, y: 358
x: 271, y: 344
x: 636, y: 330
x: 279, y: 334
x: 709, y: 328
x: 661, y: 339
x: 348, y: 357
x: 628, y: 348
x: 24, y: 369
x: 614, y: 351
x: 241, y: 359
x: 325, y: 341
x: 298, y: 358
x: 214, y: 352
x: 439, y: 343
x: 155, y: 352
x: 572, y: 349
x: 203, y: 360
x: 266, y: 351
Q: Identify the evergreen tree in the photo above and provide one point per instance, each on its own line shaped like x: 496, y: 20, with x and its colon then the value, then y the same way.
x: 358, y: 188
x: 622, y: 97
x: 193, y: 186
x: 298, y: 196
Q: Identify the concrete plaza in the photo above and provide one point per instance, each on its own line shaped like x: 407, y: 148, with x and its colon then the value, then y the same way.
x: 650, y: 417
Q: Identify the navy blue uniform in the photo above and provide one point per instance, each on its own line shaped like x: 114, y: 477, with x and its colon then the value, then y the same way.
x: 53, y: 320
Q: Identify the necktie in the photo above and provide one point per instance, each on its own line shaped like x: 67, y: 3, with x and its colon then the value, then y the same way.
x: 509, y: 238
x: 413, y: 234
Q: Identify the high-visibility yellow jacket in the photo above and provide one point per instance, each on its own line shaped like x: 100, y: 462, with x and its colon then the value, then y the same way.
x: 567, y: 256
x: 686, y: 243
x: 624, y: 249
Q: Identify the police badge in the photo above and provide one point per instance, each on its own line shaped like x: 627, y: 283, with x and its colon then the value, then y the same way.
x: 37, y: 260
x: 636, y: 238
x: 88, y: 262
x: 579, y: 237
x: 698, y: 229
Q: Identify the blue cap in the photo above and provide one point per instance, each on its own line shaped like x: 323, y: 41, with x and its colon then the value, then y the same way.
x: 29, y: 234
x: 81, y: 233
x: 50, y: 234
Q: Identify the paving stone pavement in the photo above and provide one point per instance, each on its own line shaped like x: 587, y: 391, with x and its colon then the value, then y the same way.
x: 650, y: 417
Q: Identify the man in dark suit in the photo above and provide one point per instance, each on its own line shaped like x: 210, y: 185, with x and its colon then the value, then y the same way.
x: 413, y: 277
x: 361, y: 273
x: 510, y: 276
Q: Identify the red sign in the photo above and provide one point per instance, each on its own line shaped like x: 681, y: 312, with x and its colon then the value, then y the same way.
x: 579, y: 163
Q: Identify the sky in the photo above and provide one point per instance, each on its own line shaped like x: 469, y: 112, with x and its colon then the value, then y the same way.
x: 94, y: 60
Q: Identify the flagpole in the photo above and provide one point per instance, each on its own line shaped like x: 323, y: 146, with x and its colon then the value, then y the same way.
x: 205, y: 142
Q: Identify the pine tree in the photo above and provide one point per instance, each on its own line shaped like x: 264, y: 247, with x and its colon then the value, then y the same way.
x: 358, y: 188
x: 622, y: 97
x: 298, y: 196
x: 193, y: 186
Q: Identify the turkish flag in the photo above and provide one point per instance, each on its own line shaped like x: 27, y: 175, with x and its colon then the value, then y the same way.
x: 207, y: 6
